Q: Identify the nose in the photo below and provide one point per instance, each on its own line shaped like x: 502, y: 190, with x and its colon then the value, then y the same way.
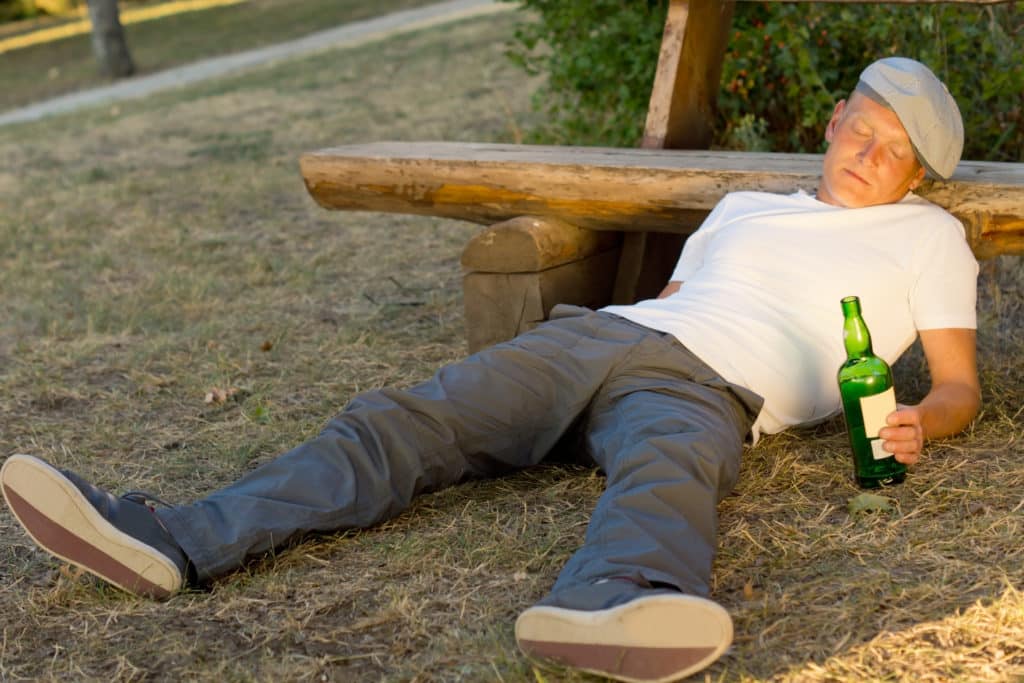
x: 868, y: 154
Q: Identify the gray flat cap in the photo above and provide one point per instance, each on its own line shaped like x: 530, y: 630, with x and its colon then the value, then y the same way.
x: 924, y: 106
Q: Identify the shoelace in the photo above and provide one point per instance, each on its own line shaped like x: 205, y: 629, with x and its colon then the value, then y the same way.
x: 149, y: 501
x: 144, y: 498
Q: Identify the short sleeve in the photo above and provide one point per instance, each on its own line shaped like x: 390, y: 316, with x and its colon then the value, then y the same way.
x: 944, y: 294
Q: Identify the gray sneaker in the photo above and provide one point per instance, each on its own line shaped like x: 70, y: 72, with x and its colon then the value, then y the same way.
x: 120, y: 540
x: 654, y: 639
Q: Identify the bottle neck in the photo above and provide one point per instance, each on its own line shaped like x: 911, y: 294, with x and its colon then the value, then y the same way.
x: 856, y: 337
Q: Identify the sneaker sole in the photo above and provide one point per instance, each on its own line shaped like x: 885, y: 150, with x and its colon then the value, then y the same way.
x: 73, y: 530
x: 654, y: 639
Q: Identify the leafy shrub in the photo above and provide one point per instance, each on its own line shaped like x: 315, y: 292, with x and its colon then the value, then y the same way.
x: 599, y: 58
x: 785, y: 67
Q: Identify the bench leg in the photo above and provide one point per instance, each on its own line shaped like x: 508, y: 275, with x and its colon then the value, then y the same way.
x: 516, y: 271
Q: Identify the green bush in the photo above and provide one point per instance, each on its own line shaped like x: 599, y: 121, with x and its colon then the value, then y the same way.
x: 599, y: 58
x: 785, y: 67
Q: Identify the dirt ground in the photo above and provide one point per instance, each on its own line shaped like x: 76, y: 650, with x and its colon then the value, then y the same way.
x: 153, y: 252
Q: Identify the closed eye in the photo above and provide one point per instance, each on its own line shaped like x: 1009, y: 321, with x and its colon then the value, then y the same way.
x: 898, y: 152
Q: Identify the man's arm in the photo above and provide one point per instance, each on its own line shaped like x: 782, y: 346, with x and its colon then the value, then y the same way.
x: 952, y: 402
x: 671, y: 288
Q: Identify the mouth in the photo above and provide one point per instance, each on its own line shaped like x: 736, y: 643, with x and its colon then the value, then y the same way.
x: 855, y: 176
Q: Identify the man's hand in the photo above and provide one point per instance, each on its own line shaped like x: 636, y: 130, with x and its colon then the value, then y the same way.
x: 951, y: 403
x: 904, y: 435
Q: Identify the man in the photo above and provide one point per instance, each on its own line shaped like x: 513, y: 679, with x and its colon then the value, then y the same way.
x: 744, y: 340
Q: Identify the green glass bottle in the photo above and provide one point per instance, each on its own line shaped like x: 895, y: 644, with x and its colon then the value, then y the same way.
x: 866, y: 389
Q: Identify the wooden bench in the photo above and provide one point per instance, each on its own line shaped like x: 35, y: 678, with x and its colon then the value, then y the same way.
x: 589, y: 225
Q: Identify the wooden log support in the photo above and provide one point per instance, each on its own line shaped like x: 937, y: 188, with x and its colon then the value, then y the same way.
x: 619, y: 189
x: 517, y: 270
x: 686, y: 83
x: 527, y: 244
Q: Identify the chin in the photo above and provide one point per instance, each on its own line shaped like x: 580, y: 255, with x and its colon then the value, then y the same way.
x: 851, y: 198
x: 843, y: 200
x: 855, y: 202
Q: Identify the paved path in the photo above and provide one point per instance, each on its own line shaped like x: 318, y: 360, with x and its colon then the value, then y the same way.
x: 348, y: 35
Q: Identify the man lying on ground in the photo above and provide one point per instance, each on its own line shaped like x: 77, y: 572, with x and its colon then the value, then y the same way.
x: 744, y: 340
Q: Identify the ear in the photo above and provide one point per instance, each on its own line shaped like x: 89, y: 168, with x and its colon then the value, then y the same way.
x: 837, y: 113
x: 918, y: 177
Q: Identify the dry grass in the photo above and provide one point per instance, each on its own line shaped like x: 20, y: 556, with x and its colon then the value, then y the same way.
x: 152, y: 252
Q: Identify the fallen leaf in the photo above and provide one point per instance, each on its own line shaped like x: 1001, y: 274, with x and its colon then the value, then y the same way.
x: 870, y: 502
x: 217, y: 395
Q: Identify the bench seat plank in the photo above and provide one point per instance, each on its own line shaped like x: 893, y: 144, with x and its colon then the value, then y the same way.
x: 618, y: 189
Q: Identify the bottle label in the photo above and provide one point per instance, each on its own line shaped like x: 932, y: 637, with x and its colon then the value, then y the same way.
x: 874, y: 410
x: 877, y: 452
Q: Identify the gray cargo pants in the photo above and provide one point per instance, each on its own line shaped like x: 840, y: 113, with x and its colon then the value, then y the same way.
x: 665, y: 428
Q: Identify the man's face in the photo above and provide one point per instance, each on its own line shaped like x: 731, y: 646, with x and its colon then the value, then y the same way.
x: 869, y: 159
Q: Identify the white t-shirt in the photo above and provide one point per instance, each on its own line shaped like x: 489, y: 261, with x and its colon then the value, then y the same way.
x: 763, y: 277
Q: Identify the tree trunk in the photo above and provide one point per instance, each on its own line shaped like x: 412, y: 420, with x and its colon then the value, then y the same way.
x: 108, y: 41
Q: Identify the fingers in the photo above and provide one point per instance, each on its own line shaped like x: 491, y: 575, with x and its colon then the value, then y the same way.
x: 904, y: 437
x: 904, y: 442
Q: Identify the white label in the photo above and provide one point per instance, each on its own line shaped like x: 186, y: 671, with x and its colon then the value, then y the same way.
x: 877, y: 452
x: 874, y: 409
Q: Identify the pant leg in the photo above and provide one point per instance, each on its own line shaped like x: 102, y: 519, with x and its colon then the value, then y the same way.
x: 669, y: 433
x: 502, y: 408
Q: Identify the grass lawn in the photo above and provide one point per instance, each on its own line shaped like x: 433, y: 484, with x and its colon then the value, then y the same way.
x: 42, y: 71
x: 157, y: 250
